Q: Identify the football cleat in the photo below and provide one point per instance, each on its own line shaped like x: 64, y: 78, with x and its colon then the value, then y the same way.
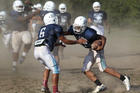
x: 45, y: 90
x: 126, y: 82
x: 99, y: 88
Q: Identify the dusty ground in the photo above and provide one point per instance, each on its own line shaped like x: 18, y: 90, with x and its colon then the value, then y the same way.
x: 122, y: 53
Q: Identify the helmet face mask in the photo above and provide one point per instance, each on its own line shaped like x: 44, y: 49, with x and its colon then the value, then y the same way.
x: 96, y: 9
x: 18, y: 6
x: 96, y: 6
x: 78, y: 29
x: 79, y: 24
x: 62, y: 8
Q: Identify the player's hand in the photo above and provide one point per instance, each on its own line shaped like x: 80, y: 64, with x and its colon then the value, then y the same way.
x: 82, y: 41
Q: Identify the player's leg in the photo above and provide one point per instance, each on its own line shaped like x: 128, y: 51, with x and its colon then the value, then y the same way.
x: 6, y: 39
x: 125, y: 79
x: 100, y: 60
x: 88, y: 62
x: 46, y: 75
x: 16, y: 43
x: 39, y: 57
x: 50, y: 63
x: 53, y: 65
x: 27, y: 40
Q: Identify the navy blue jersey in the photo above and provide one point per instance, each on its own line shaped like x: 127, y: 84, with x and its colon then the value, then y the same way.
x: 43, y: 13
x: 48, y: 35
x: 16, y: 24
x: 64, y: 20
x: 97, y: 17
x: 89, y: 34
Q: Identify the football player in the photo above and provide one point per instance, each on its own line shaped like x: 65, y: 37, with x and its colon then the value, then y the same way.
x: 6, y: 33
x: 50, y: 7
x: 36, y: 21
x: 97, y: 19
x: 20, y: 34
x: 94, y: 42
x: 65, y: 21
x: 47, y: 37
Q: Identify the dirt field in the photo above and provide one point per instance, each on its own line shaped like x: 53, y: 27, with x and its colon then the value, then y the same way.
x: 122, y: 53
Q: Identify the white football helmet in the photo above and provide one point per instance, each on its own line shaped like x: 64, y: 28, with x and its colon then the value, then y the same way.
x: 96, y: 6
x: 80, y: 24
x: 3, y: 15
x: 50, y: 18
x: 38, y: 6
x: 49, y: 6
x: 62, y: 8
x: 18, y: 6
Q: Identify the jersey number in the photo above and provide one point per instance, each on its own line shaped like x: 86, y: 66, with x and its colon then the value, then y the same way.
x: 42, y: 33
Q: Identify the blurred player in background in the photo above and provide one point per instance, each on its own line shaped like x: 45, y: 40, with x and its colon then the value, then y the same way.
x: 94, y: 42
x: 47, y: 37
x: 50, y: 7
x: 6, y: 33
x: 20, y: 35
x: 97, y: 19
x: 28, y: 6
x: 36, y: 21
x: 64, y: 21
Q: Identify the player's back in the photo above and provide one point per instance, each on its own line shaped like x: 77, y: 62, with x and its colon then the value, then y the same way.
x: 50, y: 34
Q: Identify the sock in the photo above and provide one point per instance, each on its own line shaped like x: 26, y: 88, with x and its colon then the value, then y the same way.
x: 45, y: 83
x: 122, y: 78
x: 55, y: 89
x: 97, y: 82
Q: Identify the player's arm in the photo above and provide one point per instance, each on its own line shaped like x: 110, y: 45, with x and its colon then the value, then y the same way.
x: 103, y: 41
x: 20, y: 18
x: 67, y: 33
x: 67, y: 41
x: 89, y: 21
